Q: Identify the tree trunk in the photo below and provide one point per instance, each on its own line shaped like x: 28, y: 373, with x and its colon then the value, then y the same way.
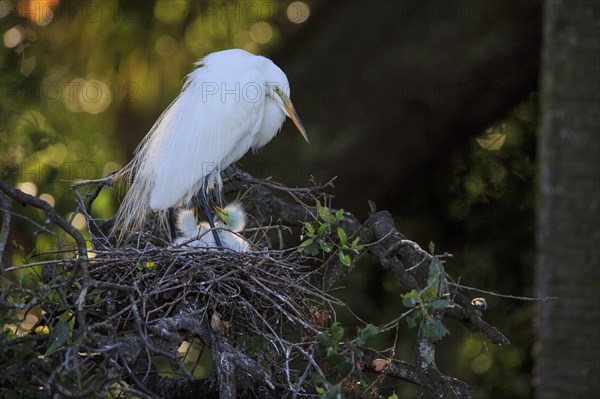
x: 569, y: 229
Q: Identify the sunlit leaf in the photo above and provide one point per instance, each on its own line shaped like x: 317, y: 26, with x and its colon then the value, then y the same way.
x: 342, y: 236
x: 325, y: 246
x: 344, y: 258
x: 410, y: 299
x: 310, y: 229
x: 322, y: 228
x: 491, y: 141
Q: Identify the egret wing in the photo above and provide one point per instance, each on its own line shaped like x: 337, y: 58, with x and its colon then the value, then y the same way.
x: 210, y: 125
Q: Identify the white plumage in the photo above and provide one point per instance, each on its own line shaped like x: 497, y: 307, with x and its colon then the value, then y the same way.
x: 229, y: 222
x: 232, y: 102
x: 186, y: 224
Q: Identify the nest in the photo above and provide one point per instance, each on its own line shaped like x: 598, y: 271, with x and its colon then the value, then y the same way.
x: 127, y: 302
x: 263, y: 303
x: 252, y: 293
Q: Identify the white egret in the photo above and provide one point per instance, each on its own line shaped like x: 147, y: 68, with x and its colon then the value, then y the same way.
x: 232, y: 102
x: 228, y: 222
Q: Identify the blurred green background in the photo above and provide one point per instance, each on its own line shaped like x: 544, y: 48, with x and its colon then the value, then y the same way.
x: 453, y: 159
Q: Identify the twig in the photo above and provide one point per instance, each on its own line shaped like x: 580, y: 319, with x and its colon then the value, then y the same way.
x: 491, y: 293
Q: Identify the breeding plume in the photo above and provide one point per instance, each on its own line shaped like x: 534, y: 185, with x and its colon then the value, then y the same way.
x: 232, y: 102
x: 228, y: 221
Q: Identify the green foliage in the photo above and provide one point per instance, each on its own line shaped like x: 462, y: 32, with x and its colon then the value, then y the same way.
x: 496, y: 167
x: 31, y: 344
x: 255, y: 345
x: 325, y: 234
x: 427, y: 302
x: 340, y: 358
x: 146, y: 267
x: 58, y: 337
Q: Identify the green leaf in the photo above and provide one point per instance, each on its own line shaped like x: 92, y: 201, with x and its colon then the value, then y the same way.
x: 328, y: 340
x: 65, y: 316
x: 365, y: 333
x: 319, y: 208
x: 394, y: 396
x: 322, y: 228
x: 306, y: 243
x: 334, y: 392
x: 433, y: 290
x: 337, y: 332
x: 345, y: 259
x: 413, y: 320
x: 256, y: 345
x: 313, y: 249
x: 431, y: 246
x: 58, y: 336
x: 439, y: 304
x: 435, y: 329
x: 410, y: 299
x: 325, y: 246
x: 342, y: 236
x: 339, y: 215
x: 310, y: 229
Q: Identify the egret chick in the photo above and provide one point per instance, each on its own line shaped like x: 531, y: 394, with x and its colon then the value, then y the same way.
x: 228, y: 222
x: 232, y: 222
x: 186, y: 224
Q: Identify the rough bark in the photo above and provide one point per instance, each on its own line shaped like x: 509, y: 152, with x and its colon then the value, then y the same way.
x: 568, y: 362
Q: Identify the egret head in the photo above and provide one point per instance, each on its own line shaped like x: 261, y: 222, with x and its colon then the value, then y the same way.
x: 232, y: 217
x: 186, y: 223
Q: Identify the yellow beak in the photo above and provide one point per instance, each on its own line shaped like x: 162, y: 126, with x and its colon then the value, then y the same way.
x: 291, y: 112
x: 219, y: 211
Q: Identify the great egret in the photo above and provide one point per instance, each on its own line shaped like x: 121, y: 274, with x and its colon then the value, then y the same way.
x: 228, y: 221
x: 232, y: 102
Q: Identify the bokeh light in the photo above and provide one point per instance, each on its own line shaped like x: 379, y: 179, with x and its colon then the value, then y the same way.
x: 28, y: 188
x: 165, y: 46
x: 78, y: 221
x: 48, y: 198
x: 261, y: 32
x: 298, y: 12
x: 481, y: 363
x: 94, y: 96
x: 13, y: 36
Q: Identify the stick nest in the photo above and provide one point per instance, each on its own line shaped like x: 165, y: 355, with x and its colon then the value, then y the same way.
x: 242, y: 292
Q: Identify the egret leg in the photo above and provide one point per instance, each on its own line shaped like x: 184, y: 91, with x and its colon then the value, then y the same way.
x: 171, y: 222
x: 208, y: 213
